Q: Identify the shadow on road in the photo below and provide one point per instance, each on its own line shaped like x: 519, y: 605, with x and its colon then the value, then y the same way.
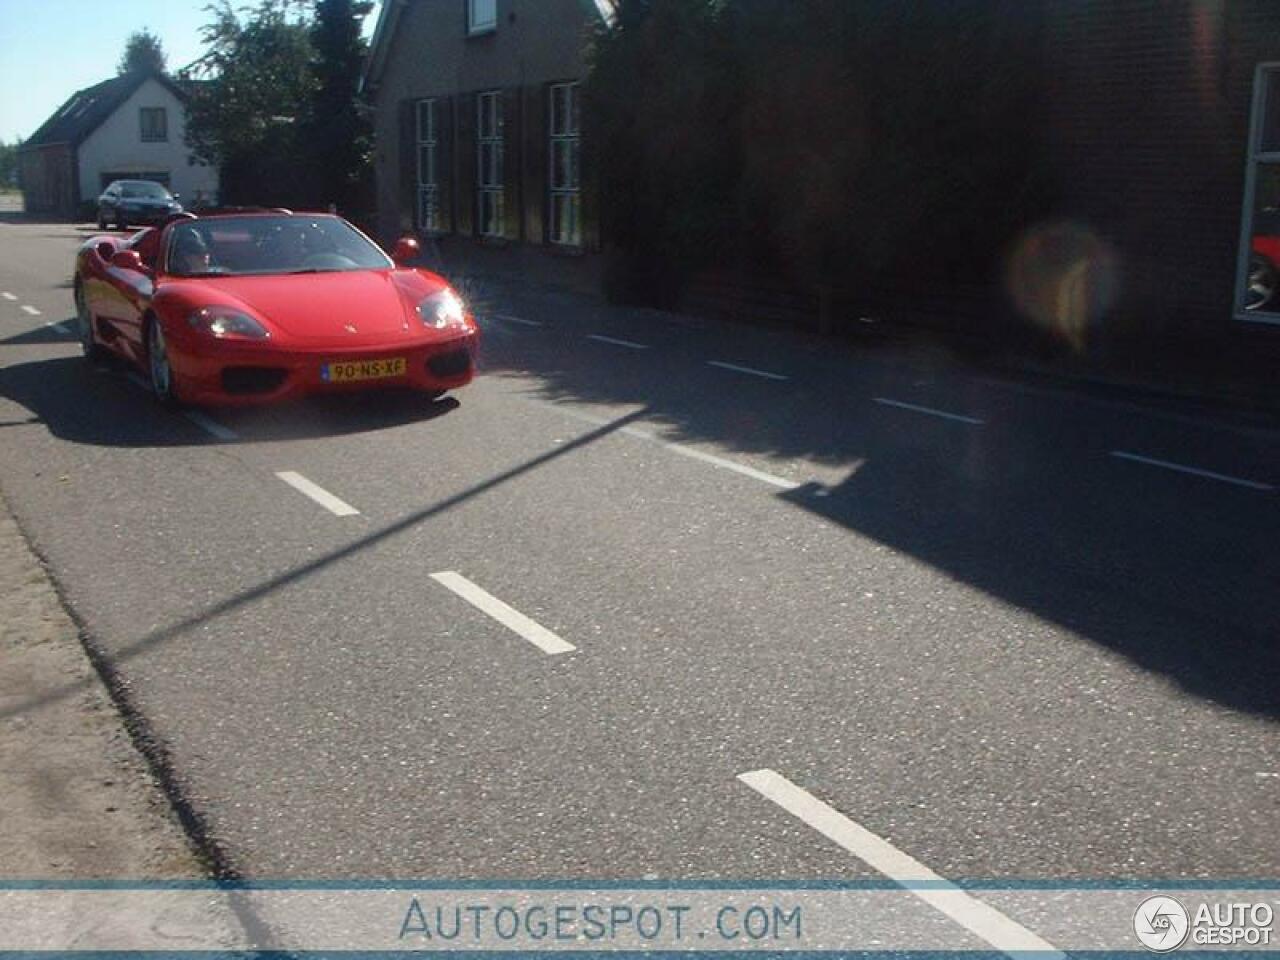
x: 44, y: 334
x: 99, y: 405
x: 1178, y: 575
x: 1173, y: 598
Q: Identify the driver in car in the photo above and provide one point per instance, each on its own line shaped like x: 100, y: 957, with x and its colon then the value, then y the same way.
x: 191, y: 253
x: 286, y: 248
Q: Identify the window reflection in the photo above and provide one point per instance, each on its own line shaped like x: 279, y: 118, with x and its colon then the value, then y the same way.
x: 1261, y: 292
x: 1271, y: 113
x: 1260, y: 296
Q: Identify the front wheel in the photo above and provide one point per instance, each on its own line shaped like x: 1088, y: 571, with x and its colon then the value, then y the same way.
x: 158, y: 366
x: 84, y: 321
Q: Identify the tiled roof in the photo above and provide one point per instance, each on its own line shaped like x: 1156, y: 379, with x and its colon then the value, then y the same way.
x: 86, y: 109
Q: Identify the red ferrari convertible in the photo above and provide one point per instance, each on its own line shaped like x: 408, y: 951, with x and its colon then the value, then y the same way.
x: 250, y: 307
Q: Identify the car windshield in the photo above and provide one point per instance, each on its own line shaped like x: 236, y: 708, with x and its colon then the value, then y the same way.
x: 249, y: 245
x: 143, y: 190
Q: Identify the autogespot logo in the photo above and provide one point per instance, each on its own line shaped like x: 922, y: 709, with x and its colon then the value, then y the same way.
x: 1161, y: 924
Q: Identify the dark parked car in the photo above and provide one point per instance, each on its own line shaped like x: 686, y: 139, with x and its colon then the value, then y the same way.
x: 1263, y: 290
x: 126, y: 202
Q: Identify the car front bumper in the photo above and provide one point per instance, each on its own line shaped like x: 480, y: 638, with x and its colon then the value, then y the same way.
x: 146, y: 215
x: 246, y: 374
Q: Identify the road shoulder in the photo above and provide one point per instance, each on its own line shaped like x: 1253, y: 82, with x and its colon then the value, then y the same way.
x: 80, y: 803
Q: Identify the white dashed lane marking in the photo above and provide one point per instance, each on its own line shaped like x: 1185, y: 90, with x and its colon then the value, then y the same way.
x: 338, y: 508
x: 210, y: 426
x: 931, y: 411
x: 748, y: 370
x: 709, y: 458
x: 508, y: 616
x: 8, y: 296
x: 31, y: 310
x: 1193, y: 471
x: 616, y: 342
x: 507, y: 318
x: 1005, y: 934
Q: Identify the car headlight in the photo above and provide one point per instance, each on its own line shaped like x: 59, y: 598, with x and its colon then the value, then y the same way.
x: 224, y: 323
x: 443, y: 309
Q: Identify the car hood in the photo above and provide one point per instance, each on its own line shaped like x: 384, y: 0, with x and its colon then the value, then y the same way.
x: 351, y: 308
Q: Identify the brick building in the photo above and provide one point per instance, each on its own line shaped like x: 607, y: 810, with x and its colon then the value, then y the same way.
x: 477, y: 106
x: 1158, y: 139
x: 1162, y: 134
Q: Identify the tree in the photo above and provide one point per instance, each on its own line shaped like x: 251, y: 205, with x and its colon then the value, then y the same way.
x: 9, y: 164
x: 337, y: 135
x: 870, y: 148
x: 142, y: 51
x: 249, y: 95
x: 661, y: 89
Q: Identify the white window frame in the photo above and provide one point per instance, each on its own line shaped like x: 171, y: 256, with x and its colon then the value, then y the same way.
x: 567, y: 136
x: 491, y: 176
x: 482, y: 16
x: 427, y: 214
x: 1257, y: 158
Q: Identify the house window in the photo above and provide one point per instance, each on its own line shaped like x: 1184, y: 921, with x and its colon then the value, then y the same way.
x: 565, y: 182
x: 1258, y: 288
x: 489, y: 180
x: 482, y: 16
x: 155, y: 124
x: 428, y: 217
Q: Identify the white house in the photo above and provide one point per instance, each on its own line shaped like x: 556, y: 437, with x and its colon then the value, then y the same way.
x: 129, y: 127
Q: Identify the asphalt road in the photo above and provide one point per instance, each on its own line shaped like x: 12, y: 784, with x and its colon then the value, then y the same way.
x: 1017, y: 631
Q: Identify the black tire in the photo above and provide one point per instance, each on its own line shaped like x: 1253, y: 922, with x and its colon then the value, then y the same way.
x: 102, y: 221
x: 159, y: 373
x: 89, y: 346
x: 1262, y: 284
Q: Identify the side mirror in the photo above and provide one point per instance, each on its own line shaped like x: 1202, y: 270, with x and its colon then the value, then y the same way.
x: 106, y: 250
x: 127, y: 260
x: 174, y: 196
x: 406, y: 249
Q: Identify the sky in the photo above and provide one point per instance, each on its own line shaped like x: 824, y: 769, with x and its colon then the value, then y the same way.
x: 51, y: 48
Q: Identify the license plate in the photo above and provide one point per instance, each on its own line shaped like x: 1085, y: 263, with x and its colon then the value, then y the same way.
x: 349, y: 371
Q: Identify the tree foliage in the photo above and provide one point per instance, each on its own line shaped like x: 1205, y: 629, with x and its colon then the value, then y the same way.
x: 337, y: 134
x: 246, y: 93
x: 844, y: 143
x: 142, y: 51
x: 9, y: 164
x: 660, y: 96
x: 274, y: 103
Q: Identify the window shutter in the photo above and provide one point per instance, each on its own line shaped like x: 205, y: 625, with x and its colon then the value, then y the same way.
x: 512, y: 162
x: 590, y: 185
x: 446, y: 162
x: 465, y: 165
x: 535, y: 152
x: 406, y: 169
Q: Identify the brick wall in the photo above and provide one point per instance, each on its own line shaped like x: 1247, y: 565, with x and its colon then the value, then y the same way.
x: 48, y: 179
x: 1145, y: 133
x: 536, y: 43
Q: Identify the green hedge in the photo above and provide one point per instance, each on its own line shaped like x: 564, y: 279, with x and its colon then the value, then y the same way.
x: 847, y: 143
